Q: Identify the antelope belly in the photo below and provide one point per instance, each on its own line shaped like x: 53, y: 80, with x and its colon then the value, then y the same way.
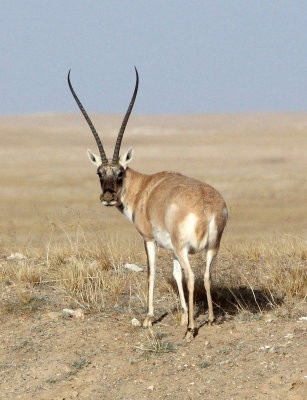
x: 163, y: 239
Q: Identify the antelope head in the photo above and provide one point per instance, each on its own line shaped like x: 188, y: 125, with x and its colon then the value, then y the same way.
x: 111, y: 172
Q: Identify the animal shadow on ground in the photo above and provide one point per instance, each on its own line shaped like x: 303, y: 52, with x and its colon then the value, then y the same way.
x: 161, y: 318
x: 230, y: 301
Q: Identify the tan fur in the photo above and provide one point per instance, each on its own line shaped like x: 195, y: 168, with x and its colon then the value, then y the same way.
x: 151, y: 196
x: 181, y: 214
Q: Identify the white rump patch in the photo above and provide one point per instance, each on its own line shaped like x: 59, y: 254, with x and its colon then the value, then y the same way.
x: 204, y: 242
x: 187, y: 231
x: 212, y: 232
x: 189, y: 223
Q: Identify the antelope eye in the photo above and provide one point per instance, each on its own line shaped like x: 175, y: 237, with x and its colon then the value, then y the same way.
x: 120, y: 177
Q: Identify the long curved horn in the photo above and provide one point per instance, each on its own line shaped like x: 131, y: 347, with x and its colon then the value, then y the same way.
x: 124, y: 123
x: 103, y: 156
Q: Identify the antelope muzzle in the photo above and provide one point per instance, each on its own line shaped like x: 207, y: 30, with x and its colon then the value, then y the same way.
x: 108, y: 198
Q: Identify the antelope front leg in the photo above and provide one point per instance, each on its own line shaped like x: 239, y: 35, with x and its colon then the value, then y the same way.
x: 151, y: 252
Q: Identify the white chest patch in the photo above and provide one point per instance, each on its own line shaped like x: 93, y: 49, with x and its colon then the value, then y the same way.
x: 128, y: 213
x: 163, y: 239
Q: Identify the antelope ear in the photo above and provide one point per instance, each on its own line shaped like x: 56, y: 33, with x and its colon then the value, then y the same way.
x: 96, y: 160
x: 126, y: 158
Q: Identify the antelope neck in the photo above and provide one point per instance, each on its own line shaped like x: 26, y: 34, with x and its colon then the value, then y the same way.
x: 133, y: 183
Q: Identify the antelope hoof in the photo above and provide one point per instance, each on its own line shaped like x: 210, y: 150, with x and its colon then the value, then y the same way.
x: 148, y: 321
x: 184, y: 319
x: 211, y: 322
x: 189, y: 335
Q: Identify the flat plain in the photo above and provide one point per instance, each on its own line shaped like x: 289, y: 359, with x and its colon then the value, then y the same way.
x: 74, y: 251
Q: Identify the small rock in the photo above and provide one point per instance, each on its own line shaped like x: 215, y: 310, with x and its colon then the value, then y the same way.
x: 269, y: 318
x: 53, y: 315
x: 135, y: 322
x: 303, y: 319
x: 78, y: 314
x: 133, y: 267
x: 204, y: 364
x: 272, y: 350
x: 151, y: 387
x: 16, y: 256
x: 289, y: 336
x: 94, y: 263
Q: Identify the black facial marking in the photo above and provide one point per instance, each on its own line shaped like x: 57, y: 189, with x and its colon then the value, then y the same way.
x: 120, y: 176
x: 111, y: 181
x: 99, y: 171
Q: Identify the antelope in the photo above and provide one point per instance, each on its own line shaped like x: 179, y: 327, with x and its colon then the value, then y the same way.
x: 168, y: 209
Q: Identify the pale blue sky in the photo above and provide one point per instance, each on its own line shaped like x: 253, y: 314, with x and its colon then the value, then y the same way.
x: 192, y: 56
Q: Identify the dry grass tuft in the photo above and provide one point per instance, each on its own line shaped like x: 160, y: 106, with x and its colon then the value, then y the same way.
x: 277, y: 265
x: 89, y: 274
x: 22, y: 271
x: 155, y: 344
x: 90, y: 284
x: 288, y: 282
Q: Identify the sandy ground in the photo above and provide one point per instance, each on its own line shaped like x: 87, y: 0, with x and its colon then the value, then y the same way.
x: 48, y: 357
x: 257, y: 161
